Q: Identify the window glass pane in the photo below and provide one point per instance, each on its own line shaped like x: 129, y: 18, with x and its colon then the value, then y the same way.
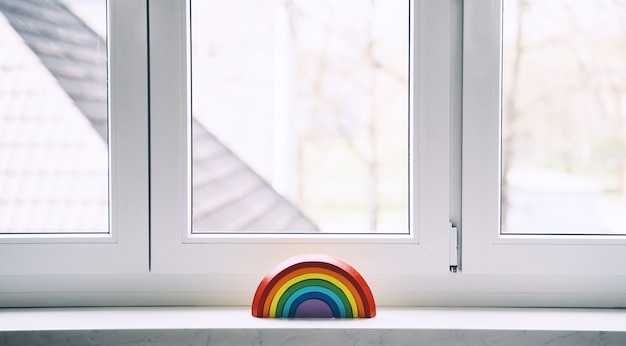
x: 300, y: 116
x: 564, y: 117
x: 53, y: 117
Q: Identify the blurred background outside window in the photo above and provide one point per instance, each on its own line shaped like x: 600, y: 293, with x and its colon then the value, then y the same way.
x: 53, y: 117
x: 564, y: 117
x: 303, y: 106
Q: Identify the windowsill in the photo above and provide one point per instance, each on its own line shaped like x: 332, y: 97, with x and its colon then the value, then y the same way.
x: 239, y: 318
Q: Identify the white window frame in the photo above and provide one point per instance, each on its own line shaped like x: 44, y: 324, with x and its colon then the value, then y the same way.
x: 152, y: 259
x: 550, y: 270
x: 42, y: 265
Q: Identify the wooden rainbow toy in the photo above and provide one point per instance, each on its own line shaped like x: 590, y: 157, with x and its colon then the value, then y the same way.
x: 313, y: 286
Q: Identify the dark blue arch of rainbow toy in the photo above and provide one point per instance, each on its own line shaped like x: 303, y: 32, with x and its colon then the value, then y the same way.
x: 336, y: 308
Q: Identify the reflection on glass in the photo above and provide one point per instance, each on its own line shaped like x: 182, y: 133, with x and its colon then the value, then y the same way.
x: 300, y: 115
x: 564, y: 117
x: 53, y: 117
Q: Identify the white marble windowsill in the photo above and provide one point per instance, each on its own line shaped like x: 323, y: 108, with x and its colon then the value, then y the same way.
x: 206, y: 318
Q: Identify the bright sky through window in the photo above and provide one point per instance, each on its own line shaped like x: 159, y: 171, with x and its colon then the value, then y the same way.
x: 564, y: 117
x: 53, y: 118
x: 300, y: 116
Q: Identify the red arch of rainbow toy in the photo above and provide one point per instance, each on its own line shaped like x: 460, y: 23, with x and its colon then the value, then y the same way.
x: 312, y: 265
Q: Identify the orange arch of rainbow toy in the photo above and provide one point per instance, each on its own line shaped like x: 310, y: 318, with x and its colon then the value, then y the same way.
x: 313, y: 285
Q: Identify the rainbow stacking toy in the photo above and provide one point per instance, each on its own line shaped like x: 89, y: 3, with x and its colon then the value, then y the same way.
x: 313, y: 286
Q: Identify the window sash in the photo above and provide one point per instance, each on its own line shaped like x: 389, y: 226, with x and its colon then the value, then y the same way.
x: 485, y: 250
x: 232, y: 260
x: 125, y: 248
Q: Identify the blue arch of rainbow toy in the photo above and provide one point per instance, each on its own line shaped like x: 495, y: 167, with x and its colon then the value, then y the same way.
x: 314, y: 292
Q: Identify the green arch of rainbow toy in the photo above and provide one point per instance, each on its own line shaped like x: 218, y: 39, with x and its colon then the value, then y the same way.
x: 322, y: 281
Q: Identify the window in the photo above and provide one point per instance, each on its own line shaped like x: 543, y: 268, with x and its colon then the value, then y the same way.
x: 169, y: 111
x: 54, y: 155
x: 307, y: 119
x: 243, y: 257
x: 556, y: 262
x: 563, y: 132
x: 85, y: 201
